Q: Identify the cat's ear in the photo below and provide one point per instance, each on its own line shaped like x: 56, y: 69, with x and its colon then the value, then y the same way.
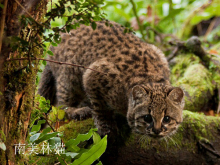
x: 139, y: 94
x: 176, y: 95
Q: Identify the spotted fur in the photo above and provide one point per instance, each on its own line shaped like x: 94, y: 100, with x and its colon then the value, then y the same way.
x: 132, y: 78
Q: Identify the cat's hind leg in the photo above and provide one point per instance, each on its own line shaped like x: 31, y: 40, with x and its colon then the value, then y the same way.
x: 71, y: 96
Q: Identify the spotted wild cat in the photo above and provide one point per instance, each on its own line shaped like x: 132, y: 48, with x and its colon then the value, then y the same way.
x: 131, y: 77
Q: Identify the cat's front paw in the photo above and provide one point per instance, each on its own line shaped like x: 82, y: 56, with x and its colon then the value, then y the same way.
x: 78, y: 113
x: 110, y: 130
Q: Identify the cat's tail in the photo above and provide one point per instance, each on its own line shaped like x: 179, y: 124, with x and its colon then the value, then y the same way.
x: 47, y: 86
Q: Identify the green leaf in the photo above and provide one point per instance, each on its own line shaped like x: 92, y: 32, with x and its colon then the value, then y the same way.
x: 50, y: 52
x: 61, y: 114
x: 57, y: 39
x: 61, y: 160
x: 93, y: 25
x: 69, y: 27
x: 125, y: 30
x: 96, y: 137
x: 57, y: 140
x: 53, y: 44
x: 34, y: 137
x: 54, y: 110
x: 93, y: 154
x: 46, y: 137
x: 172, y: 14
x: 35, y: 128
x: 46, y: 130
x: 202, y: 16
x: 99, y: 163
x: 69, y: 8
x: 53, y: 141
x: 72, y: 143
x: 71, y: 154
x: 2, y: 146
x: 74, y: 148
x: 41, y: 122
x: 44, y: 62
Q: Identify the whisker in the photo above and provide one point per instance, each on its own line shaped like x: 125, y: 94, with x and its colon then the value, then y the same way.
x: 173, y: 141
x: 144, y: 139
x: 165, y: 138
x: 141, y: 138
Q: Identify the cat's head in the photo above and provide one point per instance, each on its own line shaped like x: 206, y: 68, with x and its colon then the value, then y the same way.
x: 155, y: 110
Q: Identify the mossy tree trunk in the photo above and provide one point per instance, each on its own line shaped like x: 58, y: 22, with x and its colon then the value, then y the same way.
x: 17, y: 78
x: 197, y: 141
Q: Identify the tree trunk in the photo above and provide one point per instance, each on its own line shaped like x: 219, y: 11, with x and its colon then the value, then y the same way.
x: 17, y: 78
x: 197, y: 141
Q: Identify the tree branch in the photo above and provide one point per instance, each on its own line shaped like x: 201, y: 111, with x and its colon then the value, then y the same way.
x: 187, y: 22
x: 58, y: 62
x: 24, y: 9
x: 192, y: 45
x: 210, y: 28
x: 138, y: 20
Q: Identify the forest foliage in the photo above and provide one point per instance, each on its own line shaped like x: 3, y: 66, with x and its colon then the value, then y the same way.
x: 160, y: 22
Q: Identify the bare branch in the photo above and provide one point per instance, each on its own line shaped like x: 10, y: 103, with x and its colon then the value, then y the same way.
x: 45, y: 117
x: 25, y: 10
x: 193, y: 44
x: 137, y: 18
x: 156, y: 32
x: 210, y: 28
x: 197, y: 10
x: 58, y: 62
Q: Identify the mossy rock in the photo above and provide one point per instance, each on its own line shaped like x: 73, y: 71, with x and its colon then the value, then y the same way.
x: 197, y: 125
x: 72, y: 129
x: 215, y: 69
x: 196, y: 81
x: 138, y: 149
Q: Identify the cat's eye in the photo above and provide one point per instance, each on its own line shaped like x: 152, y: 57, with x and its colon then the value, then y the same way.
x: 148, y: 118
x: 166, y: 119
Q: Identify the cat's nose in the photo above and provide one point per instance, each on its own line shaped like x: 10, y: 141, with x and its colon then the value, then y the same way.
x: 157, y: 131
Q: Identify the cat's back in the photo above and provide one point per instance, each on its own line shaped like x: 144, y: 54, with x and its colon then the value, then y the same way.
x: 83, y: 46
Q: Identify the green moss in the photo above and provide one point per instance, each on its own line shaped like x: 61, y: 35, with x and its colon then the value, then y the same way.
x: 182, y: 62
x: 196, y: 81
x: 73, y: 128
x: 195, y: 127
x: 173, y: 142
x: 42, y: 160
x: 199, y: 124
x: 215, y: 69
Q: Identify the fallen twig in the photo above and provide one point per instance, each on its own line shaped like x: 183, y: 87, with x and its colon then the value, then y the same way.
x: 193, y: 45
x: 211, y: 150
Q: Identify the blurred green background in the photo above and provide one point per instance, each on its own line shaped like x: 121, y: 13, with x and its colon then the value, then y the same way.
x: 170, y: 19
